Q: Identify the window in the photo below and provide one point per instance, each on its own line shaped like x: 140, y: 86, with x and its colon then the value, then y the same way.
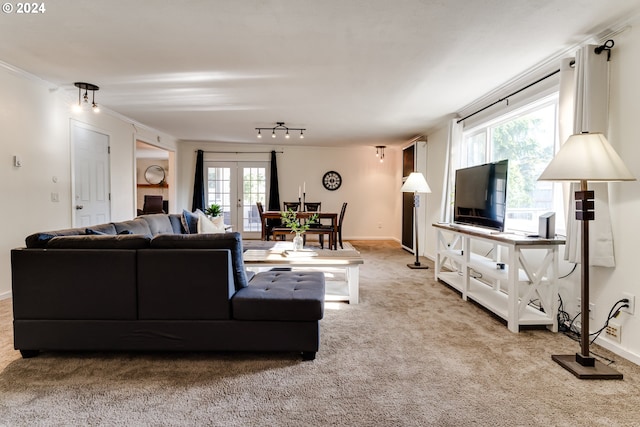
x: 526, y: 137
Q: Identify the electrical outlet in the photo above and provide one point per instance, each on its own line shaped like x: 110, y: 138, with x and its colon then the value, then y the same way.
x: 592, y: 309
x: 614, y: 331
x: 632, y: 303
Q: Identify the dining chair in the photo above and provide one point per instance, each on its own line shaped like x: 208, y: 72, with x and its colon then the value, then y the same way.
x: 152, y: 204
x: 294, y: 206
x: 266, y: 228
x: 338, y: 231
x: 313, y: 206
x: 340, y: 220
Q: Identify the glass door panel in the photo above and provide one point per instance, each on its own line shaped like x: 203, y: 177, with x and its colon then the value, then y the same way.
x: 254, y: 186
x: 236, y: 187
x: 219, y: 190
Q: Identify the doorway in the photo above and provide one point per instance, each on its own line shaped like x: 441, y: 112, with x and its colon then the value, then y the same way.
x: 237, y: 187
x: 154, y: 174
x: 408, y: 166
x: 91, y: 182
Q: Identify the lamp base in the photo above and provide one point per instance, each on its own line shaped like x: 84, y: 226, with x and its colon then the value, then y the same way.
x: 599, y: 371
x: 417, y: 266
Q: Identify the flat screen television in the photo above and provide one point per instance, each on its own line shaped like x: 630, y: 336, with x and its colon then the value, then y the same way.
x: 481, y: 195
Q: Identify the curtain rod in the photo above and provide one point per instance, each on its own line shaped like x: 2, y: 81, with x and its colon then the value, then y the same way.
x: 606, y: 46
x: 239, y: 152
x: 553, y: 73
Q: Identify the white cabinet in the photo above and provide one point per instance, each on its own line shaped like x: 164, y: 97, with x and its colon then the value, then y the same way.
x: 513, y: 276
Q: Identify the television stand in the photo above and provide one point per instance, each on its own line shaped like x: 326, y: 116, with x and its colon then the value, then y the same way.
x: 495, y: 271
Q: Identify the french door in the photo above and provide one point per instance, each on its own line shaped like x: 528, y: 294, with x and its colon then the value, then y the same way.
x: 237, y: 187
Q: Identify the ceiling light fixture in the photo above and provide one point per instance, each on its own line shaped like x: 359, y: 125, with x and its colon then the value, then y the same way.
x: 83, y: 100
x: 280, y: 126
x: 380, y: 152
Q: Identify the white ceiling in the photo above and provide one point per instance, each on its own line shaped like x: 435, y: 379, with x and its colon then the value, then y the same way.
x: 364, y: 72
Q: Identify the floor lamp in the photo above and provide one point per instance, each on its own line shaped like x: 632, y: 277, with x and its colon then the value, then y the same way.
x: 416, y: 184
x: 586, y: 157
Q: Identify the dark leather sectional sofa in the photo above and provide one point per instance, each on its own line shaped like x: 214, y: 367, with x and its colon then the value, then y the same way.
x: 147, y: 284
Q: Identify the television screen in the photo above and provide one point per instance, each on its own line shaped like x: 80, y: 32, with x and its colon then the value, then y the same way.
x: 481, y: 195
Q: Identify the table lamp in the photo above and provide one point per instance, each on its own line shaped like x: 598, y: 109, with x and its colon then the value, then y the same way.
x: 586, y: 157
x: 416, y: 184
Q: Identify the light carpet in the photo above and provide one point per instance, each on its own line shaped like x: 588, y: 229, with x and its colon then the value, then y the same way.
x: 412, y: 353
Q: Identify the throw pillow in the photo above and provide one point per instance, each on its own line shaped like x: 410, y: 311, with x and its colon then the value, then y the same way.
x: 209, y: 226
x: 189, y: 222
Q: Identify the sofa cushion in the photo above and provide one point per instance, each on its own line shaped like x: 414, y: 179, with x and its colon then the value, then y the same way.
x: 108, y: 228
x: 231, y: 241
x: 40, y: 240
x: 190, y: 222
x: 281, y: 295
x: 135, y: 226
x: 103, y: 241
x: 158, y: 223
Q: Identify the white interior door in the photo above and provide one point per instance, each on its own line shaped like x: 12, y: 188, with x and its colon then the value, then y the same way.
x: 237, y: 187
x: 90, y: 163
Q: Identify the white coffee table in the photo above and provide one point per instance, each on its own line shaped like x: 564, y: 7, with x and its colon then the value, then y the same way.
x: 324, y: 259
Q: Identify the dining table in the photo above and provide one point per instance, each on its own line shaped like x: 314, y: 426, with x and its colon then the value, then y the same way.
x: 333, y: 216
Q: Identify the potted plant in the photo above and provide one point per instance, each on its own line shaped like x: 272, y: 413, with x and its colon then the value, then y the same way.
x: 215, y: 210
x: 290, y: 220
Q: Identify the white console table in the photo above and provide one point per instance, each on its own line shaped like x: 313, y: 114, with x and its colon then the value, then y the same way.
x: 504, y: 283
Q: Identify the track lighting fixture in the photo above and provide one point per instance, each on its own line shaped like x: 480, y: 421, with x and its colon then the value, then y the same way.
x: 83, y: 100
x: 280, y: 126
x: 380, y: 152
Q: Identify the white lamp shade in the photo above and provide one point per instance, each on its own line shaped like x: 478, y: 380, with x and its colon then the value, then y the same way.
x: 588, y: 157
x: 415, y: 183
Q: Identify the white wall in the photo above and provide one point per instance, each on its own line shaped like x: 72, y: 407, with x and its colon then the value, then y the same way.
x: 371, y: 188
x: 607, y: 284
x: 35, y: 120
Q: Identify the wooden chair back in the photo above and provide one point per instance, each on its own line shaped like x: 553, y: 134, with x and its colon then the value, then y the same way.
x: 294, y: 206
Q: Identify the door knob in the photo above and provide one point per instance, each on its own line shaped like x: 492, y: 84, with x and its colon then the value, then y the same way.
x: 78, y: 207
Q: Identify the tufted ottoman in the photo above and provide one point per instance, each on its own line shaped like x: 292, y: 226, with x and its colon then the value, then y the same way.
x: 281, y: 295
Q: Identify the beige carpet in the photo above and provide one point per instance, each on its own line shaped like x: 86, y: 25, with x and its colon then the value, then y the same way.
x: 411, y: 354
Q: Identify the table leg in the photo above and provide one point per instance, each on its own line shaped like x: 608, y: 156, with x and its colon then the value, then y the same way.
x: 353, y: 283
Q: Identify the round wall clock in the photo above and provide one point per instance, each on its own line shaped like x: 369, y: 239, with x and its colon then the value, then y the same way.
x: 332, y: 180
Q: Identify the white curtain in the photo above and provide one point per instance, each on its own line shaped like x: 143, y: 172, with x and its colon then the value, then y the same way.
x: 586, y: 109
x: 454, y: 142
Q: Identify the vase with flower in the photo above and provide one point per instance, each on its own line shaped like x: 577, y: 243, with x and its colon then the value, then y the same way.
x: 290, y: 220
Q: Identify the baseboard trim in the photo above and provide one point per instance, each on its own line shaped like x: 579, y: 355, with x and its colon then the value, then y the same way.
x: 5, y: 295
x: 618, y: 350
x: 345, y: 238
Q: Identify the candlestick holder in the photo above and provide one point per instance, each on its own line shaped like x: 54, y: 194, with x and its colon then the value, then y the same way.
x: 302, y: 208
